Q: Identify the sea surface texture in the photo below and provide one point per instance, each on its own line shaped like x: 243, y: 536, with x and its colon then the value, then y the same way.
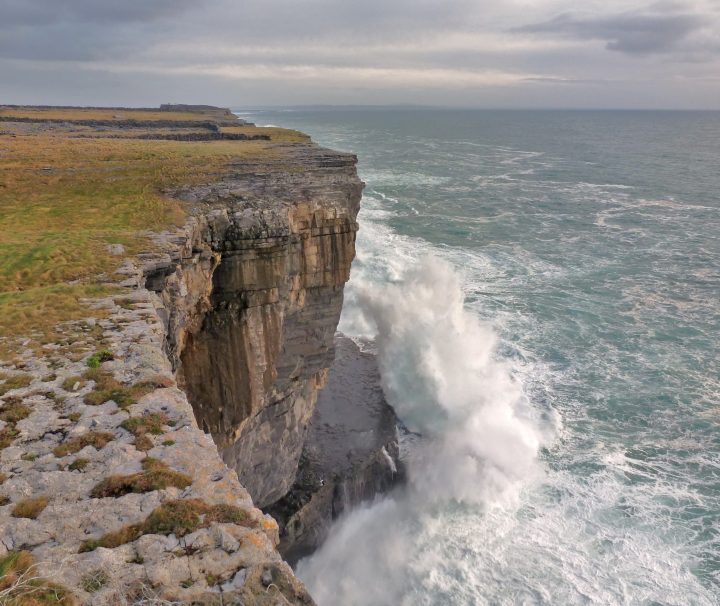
x: 542, y: 290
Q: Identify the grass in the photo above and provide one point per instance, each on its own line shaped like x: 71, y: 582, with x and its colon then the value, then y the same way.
x: 150, y: 422
x: 156, y: 475
x: 99, y: 113
x: 108, y: 388
x: 8, y: 435
x: 178, y: 517
x: 278, y: 135
x: 99, y: 357
x: 69, y: 383
x: 95, y: 580
x: 96, y: 439
x: 10, y: 382
x: 79, y: 464
x: 21, y: 585
x: 143, y: 443
x: 13, y: 410
x: 30, y: 508
x: 63, y: 200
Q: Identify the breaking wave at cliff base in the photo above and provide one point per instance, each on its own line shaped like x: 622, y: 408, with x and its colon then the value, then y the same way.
x: 478, y: 444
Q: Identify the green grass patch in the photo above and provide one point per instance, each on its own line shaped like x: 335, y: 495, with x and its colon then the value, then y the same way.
x: 99, y: 357
x: 64, y: 199
x: 96, y: 439
x: 178, y: 517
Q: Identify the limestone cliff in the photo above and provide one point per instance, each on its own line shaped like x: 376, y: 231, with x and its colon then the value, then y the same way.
x: 253, y: 301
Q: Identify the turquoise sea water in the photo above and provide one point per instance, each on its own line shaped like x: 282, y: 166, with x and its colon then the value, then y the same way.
x: 543, y: 292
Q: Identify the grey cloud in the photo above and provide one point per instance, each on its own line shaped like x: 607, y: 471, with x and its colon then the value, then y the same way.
x: 16, y: 13
x: 98, y: 51
x: 95, y: 29
x: 659, y: 29
x: 80, y: 29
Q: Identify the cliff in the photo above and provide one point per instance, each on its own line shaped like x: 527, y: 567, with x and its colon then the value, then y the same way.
x: 164, y: 342
x: 253, y: 303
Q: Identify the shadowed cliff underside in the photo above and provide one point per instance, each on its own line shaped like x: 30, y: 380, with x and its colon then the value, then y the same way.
x: 351, y: 453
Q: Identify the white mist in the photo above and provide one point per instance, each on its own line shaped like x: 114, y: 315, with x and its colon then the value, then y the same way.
x: 479, y: 446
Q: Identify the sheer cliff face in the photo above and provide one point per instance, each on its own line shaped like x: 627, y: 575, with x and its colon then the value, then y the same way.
x: 254, y: 301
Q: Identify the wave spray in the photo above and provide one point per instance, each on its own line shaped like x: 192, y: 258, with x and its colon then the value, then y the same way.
x: 478, y: 446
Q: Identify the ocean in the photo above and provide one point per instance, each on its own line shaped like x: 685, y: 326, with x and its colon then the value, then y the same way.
x: 542, y: 291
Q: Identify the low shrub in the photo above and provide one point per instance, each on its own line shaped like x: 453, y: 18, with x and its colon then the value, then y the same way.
x: 156, y: 475
x: 30, y: 508
x: 97, y: 439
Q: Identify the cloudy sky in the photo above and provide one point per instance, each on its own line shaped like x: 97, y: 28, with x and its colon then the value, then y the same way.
x: 474, y: 53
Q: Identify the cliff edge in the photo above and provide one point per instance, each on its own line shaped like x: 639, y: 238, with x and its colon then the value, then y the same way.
x: 172, y: 286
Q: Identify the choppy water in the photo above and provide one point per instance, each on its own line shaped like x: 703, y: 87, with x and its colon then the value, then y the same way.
x: 544, y: 293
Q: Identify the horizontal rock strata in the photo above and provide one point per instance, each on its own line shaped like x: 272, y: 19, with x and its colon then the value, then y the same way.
x: 253, y: 302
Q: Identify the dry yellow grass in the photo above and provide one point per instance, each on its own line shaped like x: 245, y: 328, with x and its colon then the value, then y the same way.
x: 30, y: 508
x: 278, y: 135
x: 64, y: 199
x: 79, y: 113
x: 21, y: 585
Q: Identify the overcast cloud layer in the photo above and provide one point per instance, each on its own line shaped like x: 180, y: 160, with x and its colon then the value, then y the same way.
x: 475, y: 53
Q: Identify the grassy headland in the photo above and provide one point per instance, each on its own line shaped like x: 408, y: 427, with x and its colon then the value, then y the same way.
x: 69, y: 190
